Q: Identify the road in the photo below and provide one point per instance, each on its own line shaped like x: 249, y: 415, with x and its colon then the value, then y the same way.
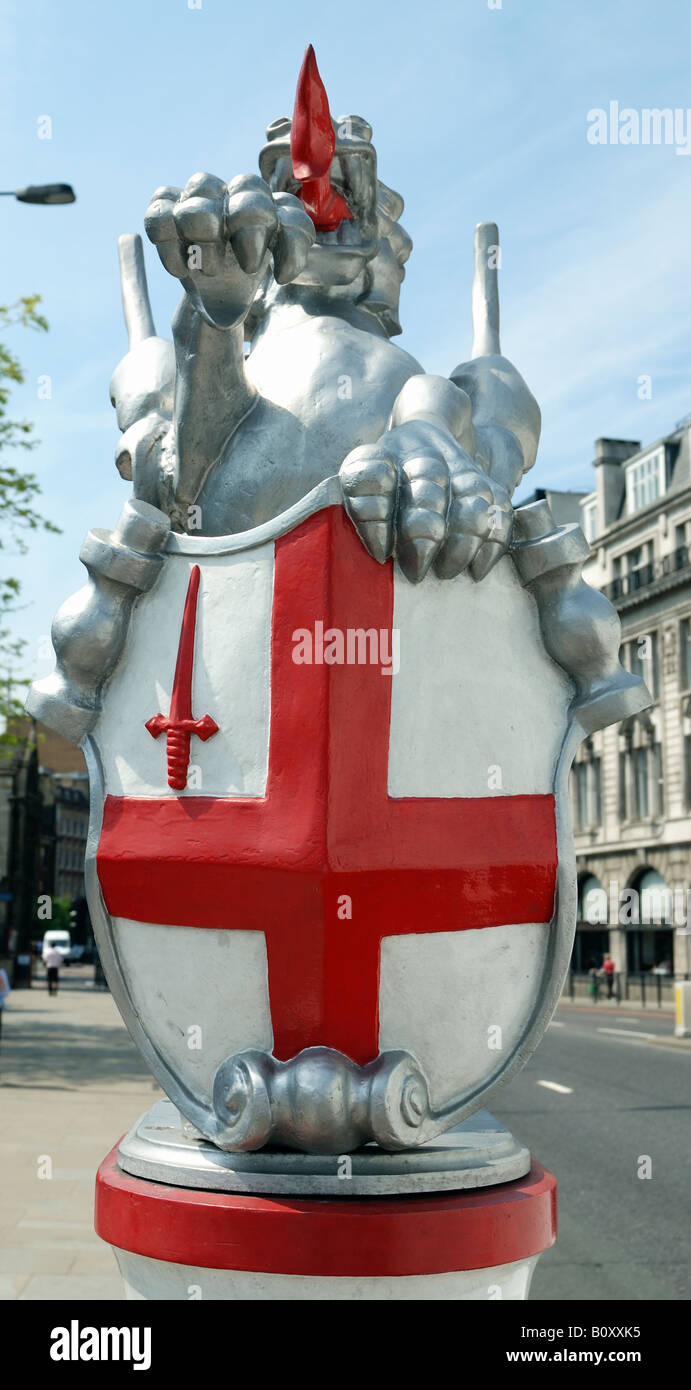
x: 71, y: 1082
x: 621, y: 1096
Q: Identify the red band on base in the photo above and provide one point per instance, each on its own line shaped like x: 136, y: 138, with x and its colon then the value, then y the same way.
x: 318, y: 1236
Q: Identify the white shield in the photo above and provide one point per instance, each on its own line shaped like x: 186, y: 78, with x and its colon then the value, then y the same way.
x: 352, y: 917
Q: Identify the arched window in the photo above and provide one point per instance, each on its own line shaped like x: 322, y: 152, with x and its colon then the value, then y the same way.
x: 593, y: 902
x: 655, y: 898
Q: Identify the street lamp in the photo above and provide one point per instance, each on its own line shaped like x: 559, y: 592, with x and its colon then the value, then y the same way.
x: 47, y: 193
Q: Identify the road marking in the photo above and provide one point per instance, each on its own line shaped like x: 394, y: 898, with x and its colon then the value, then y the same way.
x: 555, y: 1024
x: 633, y: 1034
x: 554, y: 1086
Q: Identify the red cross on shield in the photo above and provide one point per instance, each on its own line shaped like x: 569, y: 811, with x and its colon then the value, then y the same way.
x: 327, y: 830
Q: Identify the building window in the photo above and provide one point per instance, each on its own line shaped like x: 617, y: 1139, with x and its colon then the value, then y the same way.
x: 641, y: 791
x: 659, y: 789
x: 640, y: 656
x: 655, y: 898
x: 645, y: 481
x: 592, y: 902
x: 641, y: 788
x: 580, y: 776
x: 596, y: 773
x: 633, y: 570
x: 617, y: 582
x: 587, y: 789
x: 686, y: 728
x: 639, y: 565
x: 590, y: 521
x: 685, y: 653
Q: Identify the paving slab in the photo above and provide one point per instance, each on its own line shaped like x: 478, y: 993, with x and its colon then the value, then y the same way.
x: 73, y: 1288
x: 71, y: 1083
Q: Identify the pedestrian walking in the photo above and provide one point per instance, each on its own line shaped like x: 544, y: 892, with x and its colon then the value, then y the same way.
x: 608, y: 972
x: 52, y: 960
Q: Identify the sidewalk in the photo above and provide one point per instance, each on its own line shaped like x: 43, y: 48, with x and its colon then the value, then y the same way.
x: 626, y: 1008
x: 661, y: 1020
x: 651, y: 1006
x: 71, y: 1082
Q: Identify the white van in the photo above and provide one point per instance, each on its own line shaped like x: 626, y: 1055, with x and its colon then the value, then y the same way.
x: 59, y: 941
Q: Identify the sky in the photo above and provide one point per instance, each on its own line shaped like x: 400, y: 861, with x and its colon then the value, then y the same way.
x: 480, y: 112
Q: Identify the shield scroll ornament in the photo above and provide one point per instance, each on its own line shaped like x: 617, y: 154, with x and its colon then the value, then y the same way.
x: 350, y: 915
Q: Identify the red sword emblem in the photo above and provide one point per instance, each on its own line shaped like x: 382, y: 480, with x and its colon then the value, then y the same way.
x: 179, y: 725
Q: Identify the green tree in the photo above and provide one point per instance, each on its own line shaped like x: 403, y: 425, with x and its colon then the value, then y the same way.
x: 19, y: 490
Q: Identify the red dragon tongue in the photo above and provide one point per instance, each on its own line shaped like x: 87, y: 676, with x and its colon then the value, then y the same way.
x: 312, y: 145
x: 312, y: 139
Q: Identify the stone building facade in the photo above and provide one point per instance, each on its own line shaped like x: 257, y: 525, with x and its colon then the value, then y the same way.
x: 631, y: 784
x: 64, y: 829
x: 44, y: 817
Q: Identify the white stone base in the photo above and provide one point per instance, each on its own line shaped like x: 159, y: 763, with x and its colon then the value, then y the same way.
x: 161, y: 1280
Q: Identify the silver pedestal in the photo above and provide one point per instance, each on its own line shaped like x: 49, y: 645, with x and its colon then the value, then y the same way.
x: 163, y: 1147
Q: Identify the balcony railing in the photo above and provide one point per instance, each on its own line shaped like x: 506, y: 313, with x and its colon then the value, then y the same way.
x: 645, y: 575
